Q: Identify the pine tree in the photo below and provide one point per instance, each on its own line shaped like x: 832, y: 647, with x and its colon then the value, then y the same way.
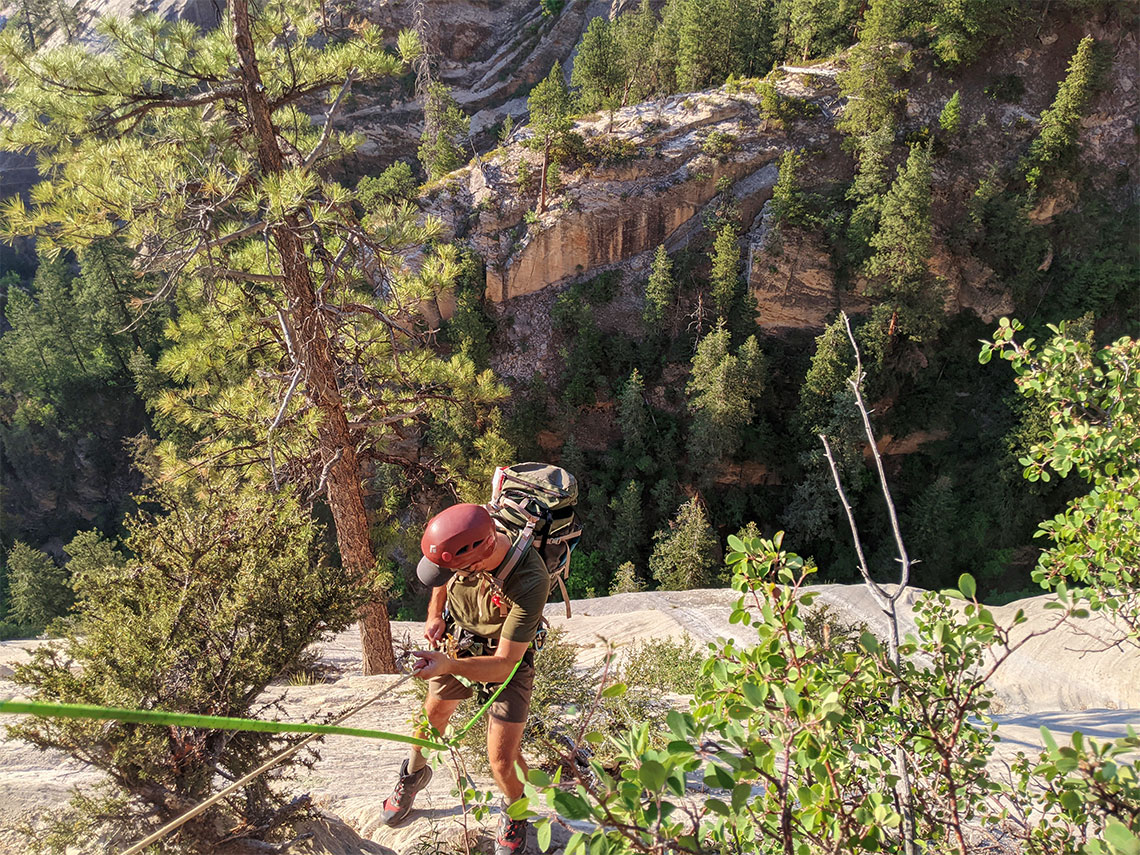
x: 950, y: 119
x: 806, y: 18
x: 34, y: 19
x: 445, y: 128
x: 871, y: 67
x: 787, y: 196
x: 89, y: 556
x: 573, y: 460
x: 902, y: 247
x: 753, y: 27
x: 1061, y: 123
x: 628, y: 534
x: 831, y: 367
x: 666, y: 45
x: 599, y: 69
x: 203, y: 133
x: 963, y: 27
x: 659, y: 289
x: 869, y: 187
x: 701, y: 44
x: 724, y: 279
x: 626, y: 581
x: 664, y: 495
x: 934, y: 521
x: 38, y: 588
x: 635, y: 34
x: 722, y: 391
x: 549, y: 105
x: 633, y: 419
x: 686, y: 555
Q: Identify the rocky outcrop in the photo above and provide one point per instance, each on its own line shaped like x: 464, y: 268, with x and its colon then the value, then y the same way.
x: 648, y: 179
x: 971, y: 286
x: 792, y: 278
x: 486, y: 51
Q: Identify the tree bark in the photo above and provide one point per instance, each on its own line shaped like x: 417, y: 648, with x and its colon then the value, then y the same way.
x: 542, y: 179
x: 336, y: 447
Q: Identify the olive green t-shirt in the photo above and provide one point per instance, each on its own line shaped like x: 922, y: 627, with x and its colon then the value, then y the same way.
x: 528, y: 586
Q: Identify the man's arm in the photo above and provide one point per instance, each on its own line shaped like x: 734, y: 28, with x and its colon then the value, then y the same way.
x: 434, y: 626
x: 480, y: 669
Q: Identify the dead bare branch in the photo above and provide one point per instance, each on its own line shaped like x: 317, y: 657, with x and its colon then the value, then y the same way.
x: 326, y: 134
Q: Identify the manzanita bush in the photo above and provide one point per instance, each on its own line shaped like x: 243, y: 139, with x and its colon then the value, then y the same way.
x: 791, y: 745
x: 787, y: 746
x: 1091, y: 398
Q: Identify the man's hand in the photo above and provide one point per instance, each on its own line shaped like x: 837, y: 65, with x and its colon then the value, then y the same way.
x: 434, y: 629
x: 431, y: 663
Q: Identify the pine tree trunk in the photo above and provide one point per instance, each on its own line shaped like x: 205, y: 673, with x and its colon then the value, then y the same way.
x: 542, y: 184
x: 335, y: 443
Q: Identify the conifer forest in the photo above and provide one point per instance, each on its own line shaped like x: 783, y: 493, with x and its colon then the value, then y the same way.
x: 805, y: 293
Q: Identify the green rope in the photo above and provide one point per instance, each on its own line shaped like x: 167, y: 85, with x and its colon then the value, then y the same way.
x: 455, y: 739
x: 85, y: 711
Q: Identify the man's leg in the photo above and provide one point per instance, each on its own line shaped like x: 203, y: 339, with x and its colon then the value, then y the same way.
x: 414, y: 773
x: 504, y: 751
x: 439, y: 712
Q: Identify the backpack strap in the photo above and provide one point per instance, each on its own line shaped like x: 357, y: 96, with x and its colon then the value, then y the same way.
x: 525, y: 540
x: 565, y: 596
x: 518, y: 549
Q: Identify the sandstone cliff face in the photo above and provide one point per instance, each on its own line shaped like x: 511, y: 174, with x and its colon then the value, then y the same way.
x: 675, y: 156
x: 490, y: 52
x: 791, y: 276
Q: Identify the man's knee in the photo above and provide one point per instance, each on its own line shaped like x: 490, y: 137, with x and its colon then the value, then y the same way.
x: 504, y: 743
x: 439, y: 711
x: 502, y: 756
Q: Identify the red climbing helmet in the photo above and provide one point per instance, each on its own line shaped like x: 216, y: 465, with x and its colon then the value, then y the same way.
x: 458, y: 537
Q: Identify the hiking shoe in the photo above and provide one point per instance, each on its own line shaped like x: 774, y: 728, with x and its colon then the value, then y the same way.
x: 511, y: 836
x: 398, y: 805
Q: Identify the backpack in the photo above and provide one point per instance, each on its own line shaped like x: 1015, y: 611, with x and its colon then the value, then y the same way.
x: 535, y: 503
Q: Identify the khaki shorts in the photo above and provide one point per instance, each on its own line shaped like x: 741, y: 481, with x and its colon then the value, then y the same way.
x: 512, y: 706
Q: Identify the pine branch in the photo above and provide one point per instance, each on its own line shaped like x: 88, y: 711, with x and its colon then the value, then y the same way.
x: 160, y: 102
x: 326, y: 133
x: 239, y: 275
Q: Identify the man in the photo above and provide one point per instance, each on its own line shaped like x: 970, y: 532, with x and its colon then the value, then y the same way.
x: 463, y: 550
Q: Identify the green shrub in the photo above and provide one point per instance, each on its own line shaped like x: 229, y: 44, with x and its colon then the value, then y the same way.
x: 395, y: 184
x: 9, y: 630
x: 588, y: 574
x: 1008, y: 88
x: 839, y: 721
x: 719, y: 144
x: 525, y: 181
x: 669, y: 664
x: 226, y: 590
x: 606, y: 150
x: 626, y: 581
x: 470, y: 327
x: 950, y: 119
x: 38, y: 588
